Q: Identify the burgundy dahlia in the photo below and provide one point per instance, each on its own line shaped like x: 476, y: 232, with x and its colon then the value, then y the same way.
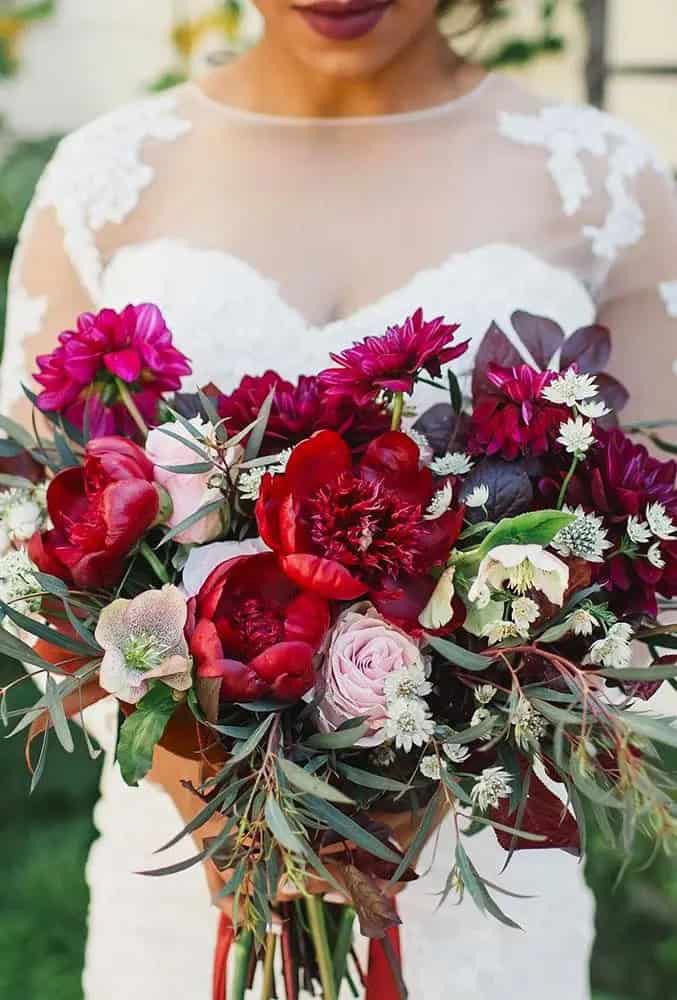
x: 298, y: 411
x: 515, y: 419
x: 393, y: 360
x: 79, y: 376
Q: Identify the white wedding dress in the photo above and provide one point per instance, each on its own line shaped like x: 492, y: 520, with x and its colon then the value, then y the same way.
x: 269, y: 242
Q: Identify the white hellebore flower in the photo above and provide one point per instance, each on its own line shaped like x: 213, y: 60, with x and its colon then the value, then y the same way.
x: 576, y: 436
x: 440, y: 503
x: 499, y: 631
x: 581, y: 622
x: 409, y: 724
x: 523, y: 568
x: 430, y: 768
x: 439, y: 611
x: 143, y: 640
x: 493, y: 785
x: 477, y: 497
x: 638, y: 531
x: 484, y: 693
x: 570, y: 388
x: 614, y: 649
x: 455, y: 463
x: 660, y: 522
x: 585, y: 537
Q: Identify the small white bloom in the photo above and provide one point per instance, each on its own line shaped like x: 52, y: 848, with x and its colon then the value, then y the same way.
x: 638, y: 531
x: 585, y: 537
x: 524, y: 613
x: 614, y: 649
x: 477, y: 497
x: 484, y: 693
x: 24, y: 519
x: 570, y: 388
x: 439, y: 611
x: 456, y: 752
x: 249, y: 480
x: 524, y: 568
x: 576, y: 436
x: 409, y: 682
x: 594, y: 410
x: 479, y: 716
x: 430, y: 768
x: 409, y: 724
x: 499, y: 631
x: 660, y: 522
x: 440, y: 503
x: 419, y: 439
x: 18, y: 583
x: 493, y: 785
x: 5, y: 540
x: 530, y: 727
x: 655, y: 557
x: 455, y: 463
x: 581, y: 622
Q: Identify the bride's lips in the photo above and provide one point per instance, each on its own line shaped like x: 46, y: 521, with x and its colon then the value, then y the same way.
x: 343, y: 20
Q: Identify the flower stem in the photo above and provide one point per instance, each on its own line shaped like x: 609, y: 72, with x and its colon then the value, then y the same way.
x: 398, y: 408
x: 565, y: 485
x: 154, y: 563
x: 342, y: 944
x: 242, y: 949
x: 268, y: 966
x: 318, y: 931
x: 132, y: 408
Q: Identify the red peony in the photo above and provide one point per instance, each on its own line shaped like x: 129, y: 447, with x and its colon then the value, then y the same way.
x: 620, y: 479
x: 257, y: 631
x: 298, y: 411
x: 99, y: 512
x: 515, y: 419
x: 343, y: 530
x: 393, y: 360
x: 79, y: 376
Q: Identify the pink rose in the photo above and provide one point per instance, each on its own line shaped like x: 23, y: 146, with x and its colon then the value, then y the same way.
x: 188, y: 492
x: 362, y: 652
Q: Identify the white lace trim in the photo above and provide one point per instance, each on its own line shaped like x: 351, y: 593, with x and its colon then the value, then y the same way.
x: 97, y: 176
x: 25, y: 315
x: 568, y: 132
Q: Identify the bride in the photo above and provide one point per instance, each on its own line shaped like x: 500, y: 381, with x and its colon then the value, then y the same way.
x: 347, y: 170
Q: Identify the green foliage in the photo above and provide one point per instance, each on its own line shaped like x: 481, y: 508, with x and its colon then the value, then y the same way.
x: 141, y: 732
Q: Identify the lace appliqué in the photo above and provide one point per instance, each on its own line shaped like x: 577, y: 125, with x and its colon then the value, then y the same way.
x: 25, y: 315
x: 97, y: 176
x: 568, y: 132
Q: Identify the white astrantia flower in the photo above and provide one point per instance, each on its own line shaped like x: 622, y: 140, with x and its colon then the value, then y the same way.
x: 614, y: 649
x: 439, y: 610
x: 249, y: 480
x: 524, y: 613
x: 585, y: 537
x: 570, y: 388
x: 409, y: 682
x: 17, y: 582
x: 477, y: 497
x: 22, y: 513
x: 529, y: 726
x: 484, y: 693
x: 408, y: 723
x: 455, y: 463
x: 419, y: 439
x: 440, y: 503
x: 493, y: 784
x: 479, y: 716
x: 456, y: 752
x: 655, y: 557
x: 430, y: 767
x: 660, y: 522
x: 499, y: 631
x: 638, y: 531
x: 581, y: 622
x: 523, y: 568
x: 576, y: 435
x: 23, y: 519
x: 593, y: 410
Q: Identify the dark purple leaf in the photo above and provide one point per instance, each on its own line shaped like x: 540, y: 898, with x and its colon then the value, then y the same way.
x: 614, y: 395
x: 589, y: 348
x: 495, y: 348
x: 541, y: 336
x: 544, y: 814
x: 510, y: 489
x: 441, y: 426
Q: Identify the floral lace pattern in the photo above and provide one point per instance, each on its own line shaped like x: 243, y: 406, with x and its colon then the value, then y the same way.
x: 25, y: 315
x: 568, y: 133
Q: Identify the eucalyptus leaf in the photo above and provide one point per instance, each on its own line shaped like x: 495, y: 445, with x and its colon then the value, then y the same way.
x: 478, y: 890
x: 662, y: 729
x: 458, y: 656
x: 58, y: 716
x: 348, y: 828
x: 280, y: 828
x: 338, y: 740
x: 257, y: 434
x: 188, y: 522
x: 308, y: 783
x: 369, y: 780
x: 51, y: 635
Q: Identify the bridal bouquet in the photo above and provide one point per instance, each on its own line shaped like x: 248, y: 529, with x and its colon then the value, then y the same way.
x: 357, y: 617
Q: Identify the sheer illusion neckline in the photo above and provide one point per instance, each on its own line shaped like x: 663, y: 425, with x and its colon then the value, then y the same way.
x: 396, y: 118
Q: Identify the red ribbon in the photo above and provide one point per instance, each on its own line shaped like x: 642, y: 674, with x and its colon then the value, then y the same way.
x: 380, y: 984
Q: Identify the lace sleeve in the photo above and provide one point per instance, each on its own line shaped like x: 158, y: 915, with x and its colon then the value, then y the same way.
x: 639, y: 304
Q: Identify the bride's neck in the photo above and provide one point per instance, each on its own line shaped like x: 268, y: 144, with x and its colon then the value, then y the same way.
x: 271, y: 81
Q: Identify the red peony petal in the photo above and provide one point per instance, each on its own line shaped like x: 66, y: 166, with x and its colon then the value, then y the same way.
x: 307, y: 619
x: 395, y: 459
x: 287, y: 668
x: 129, y: 508
x: 316, y: 462
x: 66, y: 500
x: 322, y: 576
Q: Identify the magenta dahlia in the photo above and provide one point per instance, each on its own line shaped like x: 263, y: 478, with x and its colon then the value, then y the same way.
x: 81, y: 374
x: 393, y: 360
x: 515, y: 419
x: 300, y: 410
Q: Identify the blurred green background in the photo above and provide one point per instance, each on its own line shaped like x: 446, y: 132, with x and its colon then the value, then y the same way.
x: 614, y: 52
